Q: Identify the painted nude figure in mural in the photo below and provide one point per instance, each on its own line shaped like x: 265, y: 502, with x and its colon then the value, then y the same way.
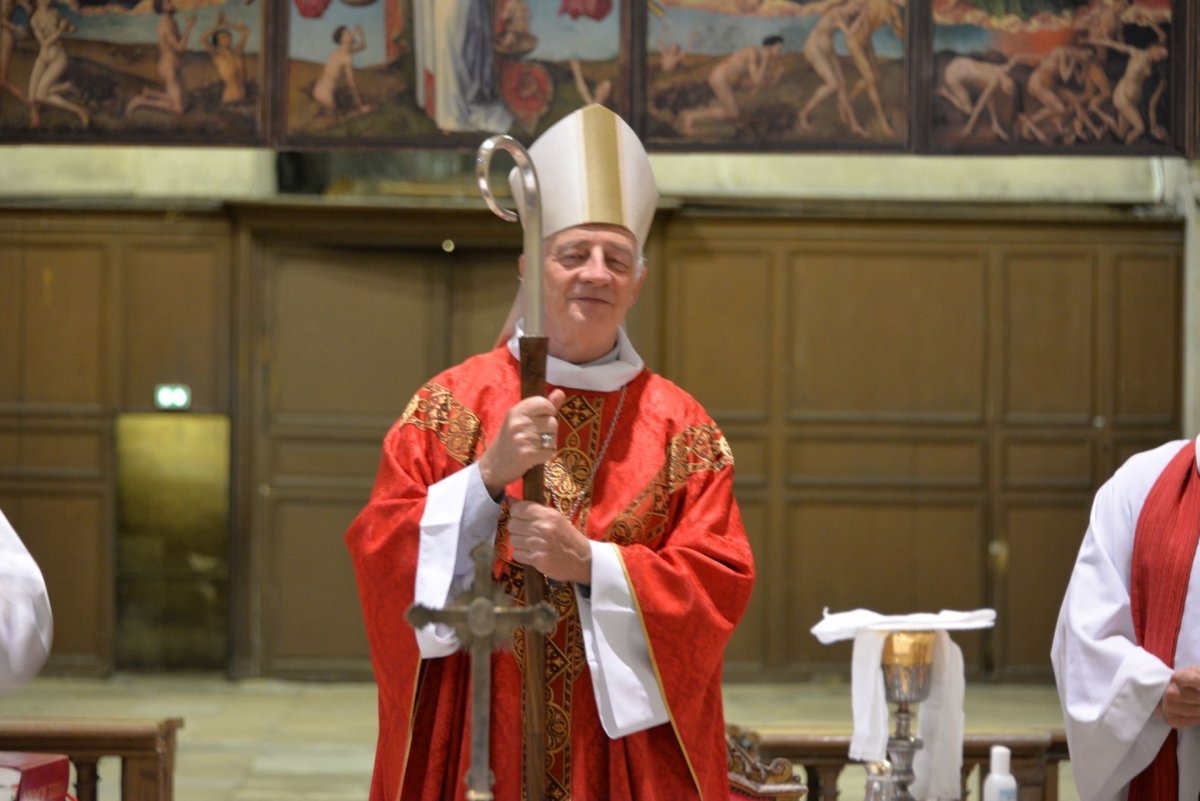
x: 598, y: 94
x: 749, y: 65
x: 8, y: 39
x: 872, y: 16
x: 172, y: 44
x: 964, y: 75
x: 45, y: 86
x: 671, y: 54
x: 1046, y: 85
x: 339, y: 69
x: 1127, y: 95
x: 228, y: 58
x: 819, y: 52
x: 514, y: 29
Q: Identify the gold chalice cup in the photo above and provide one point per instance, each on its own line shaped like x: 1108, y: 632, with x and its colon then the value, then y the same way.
x: 907, y: 665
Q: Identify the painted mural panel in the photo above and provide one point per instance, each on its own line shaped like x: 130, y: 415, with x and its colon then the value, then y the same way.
x: 445, y: 72
x: 777, y: 74
x: 1052, y: 75
x: 158, y: 71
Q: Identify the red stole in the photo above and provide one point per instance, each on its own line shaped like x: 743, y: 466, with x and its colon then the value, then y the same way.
x: 1164, y: 548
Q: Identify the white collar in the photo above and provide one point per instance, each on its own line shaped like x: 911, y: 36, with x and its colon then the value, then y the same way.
x: 607, y: 374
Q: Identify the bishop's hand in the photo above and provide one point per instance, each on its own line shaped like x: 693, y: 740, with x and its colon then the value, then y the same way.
x: 529, y: 437
x: 542, y: 538
x: 1180, y: 704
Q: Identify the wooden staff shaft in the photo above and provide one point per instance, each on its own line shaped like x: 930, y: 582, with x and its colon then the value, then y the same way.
x: 533, y: 382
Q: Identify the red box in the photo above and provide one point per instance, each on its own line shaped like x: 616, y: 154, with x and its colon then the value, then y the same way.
x: 42, y: 777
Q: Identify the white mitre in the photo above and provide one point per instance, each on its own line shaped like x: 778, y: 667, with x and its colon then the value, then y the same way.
x: 591, y: 168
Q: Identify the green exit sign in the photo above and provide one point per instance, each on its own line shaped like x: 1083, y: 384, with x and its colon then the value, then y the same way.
x: 172, y: 397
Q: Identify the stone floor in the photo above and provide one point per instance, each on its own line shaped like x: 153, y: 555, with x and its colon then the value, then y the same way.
x: 266, y: 740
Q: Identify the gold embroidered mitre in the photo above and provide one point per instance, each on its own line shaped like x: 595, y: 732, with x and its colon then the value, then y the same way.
x: 592, y: 168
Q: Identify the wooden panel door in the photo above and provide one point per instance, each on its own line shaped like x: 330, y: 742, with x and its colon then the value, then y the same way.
x: 344, y: 337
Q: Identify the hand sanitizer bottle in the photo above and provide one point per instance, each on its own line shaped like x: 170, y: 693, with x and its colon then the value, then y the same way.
x: 1000, y: 784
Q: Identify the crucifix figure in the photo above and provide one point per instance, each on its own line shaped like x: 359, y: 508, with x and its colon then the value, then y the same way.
x: 484, y: 620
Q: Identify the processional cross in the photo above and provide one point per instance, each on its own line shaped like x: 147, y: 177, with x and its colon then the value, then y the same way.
x: 486, y: 620
x: 483, y: 619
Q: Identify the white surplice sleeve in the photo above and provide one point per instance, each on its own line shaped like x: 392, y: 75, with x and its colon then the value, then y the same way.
x: 628, y: 697
x: 459, y: 514
x: 1108, y: 685
x: 26, y: 624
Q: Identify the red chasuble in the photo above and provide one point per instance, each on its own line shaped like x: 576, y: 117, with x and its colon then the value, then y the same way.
x: 1164, y: 549
x: 663, y: 493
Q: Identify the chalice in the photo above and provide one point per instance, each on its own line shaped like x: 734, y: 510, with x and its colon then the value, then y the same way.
x: 907, y: 664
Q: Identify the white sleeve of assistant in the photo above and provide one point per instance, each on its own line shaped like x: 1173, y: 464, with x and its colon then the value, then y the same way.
x: 1107, y: 685
x: 628, y: 697
x: 459, y: 514
x: 26, y: 624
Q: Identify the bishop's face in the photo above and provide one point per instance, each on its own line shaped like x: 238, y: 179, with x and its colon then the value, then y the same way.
x: 592, y: 279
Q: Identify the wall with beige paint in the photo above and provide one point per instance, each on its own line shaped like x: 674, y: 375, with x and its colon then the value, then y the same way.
x: 237, y: 173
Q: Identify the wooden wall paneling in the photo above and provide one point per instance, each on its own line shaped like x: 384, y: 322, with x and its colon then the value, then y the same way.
x: 1042, y: 534
x: 882, y: 331
x: 11, y: 324
x: 1148, y: 331
x: 290, y: 448
x: 64, y: 342
x: 1130, y: 444
x: 347, y: 335
x: 744, y: 655
x: 67, y: 320
x: 720, y: 320
x: 56, y: 473
x: 1040, y: 460
x: 175, y: 319
x: 482, y: 287
x: 329, y: 314
x: 858, y: 457
x: 312, y: 607
x: 250, y: 262
x: 1049, y: 327
x: 67, y: 530
x: 1088, y: 356
x: 912, y: 367
x: 645, y: 322
x: 886, y: 551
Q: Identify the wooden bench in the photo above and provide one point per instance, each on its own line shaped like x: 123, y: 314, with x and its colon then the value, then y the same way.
x: 146, y: 749
x: 1035, y: 759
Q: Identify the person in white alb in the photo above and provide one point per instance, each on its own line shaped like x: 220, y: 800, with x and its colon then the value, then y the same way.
x: 26, y: 625
x: 1126, y: 651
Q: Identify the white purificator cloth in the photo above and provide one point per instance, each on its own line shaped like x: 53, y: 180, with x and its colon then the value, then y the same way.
x: 938, y: 764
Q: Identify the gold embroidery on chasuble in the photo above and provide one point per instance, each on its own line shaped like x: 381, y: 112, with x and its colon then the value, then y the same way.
x: 568, y: 482
x: 434, y: 408
x: 696, y: 449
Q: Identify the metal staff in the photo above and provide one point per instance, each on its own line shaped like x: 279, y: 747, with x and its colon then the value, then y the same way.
x: 534, y: 347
